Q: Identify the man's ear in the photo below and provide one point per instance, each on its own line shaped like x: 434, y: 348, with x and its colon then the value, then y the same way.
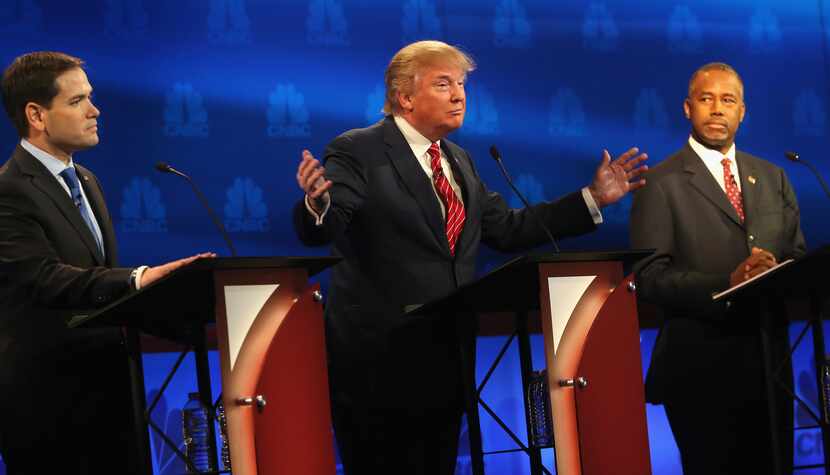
x: 35, y: 116
x: 687, y: 109
x: 405, y: 101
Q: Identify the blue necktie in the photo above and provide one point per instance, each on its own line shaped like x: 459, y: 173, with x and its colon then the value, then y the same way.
x: 71, y: 179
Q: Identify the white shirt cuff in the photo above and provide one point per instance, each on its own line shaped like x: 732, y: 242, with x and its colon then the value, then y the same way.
x: 318, y: 218
x: 139, y: 272
x: 596, y: 215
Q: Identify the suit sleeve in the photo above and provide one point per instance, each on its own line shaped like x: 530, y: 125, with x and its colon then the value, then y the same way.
x: 659, y: 278
x: 349, y: 183
x: 508, y: 229
x: 31, y: 267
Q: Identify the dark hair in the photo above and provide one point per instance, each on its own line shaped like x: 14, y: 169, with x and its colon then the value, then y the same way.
x: 715, y: 67
x: 31, y: 78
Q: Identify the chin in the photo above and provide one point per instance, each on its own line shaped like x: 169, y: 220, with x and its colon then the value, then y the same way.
x: 88, y: 144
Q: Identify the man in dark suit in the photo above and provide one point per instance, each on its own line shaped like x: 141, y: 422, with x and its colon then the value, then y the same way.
x: 64, y: 394
x: 716, y: 217
x: 406, y: 210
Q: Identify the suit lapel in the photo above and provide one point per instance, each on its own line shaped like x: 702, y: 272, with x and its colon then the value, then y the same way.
x: 701, y: 179
x: 751, y: 188
x: 48, y: 185
x: 415, y: 180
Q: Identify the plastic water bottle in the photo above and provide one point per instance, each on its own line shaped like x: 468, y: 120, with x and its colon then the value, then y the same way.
x: 541, y: 430
x: 223, y: 431
x: 195, y: 420
x: 825, y: 388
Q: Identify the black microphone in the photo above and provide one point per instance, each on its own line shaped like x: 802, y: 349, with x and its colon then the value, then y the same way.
x: 494, y: 152
x: 165, y: 168
x: 793, y: 157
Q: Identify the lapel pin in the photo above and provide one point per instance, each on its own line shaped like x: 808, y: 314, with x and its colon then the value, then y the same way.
x: 86, y: 178
x: 751, y: 179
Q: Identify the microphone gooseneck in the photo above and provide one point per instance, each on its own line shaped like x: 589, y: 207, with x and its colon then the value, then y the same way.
x: 494, y: 152
x: 166, y: 168
x: 793, y: 157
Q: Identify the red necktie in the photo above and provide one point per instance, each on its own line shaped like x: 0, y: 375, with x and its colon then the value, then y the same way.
x: 732, y: 191
x: 453, y: 205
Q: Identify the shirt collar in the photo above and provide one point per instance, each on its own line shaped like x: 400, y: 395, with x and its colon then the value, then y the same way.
x: 711, y: 156
x: 417, y: 142
x: 54, y: 165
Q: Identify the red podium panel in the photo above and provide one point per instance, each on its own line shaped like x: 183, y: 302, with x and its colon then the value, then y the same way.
x: 592, y: 351
x: 269, y: 331
x: 589, y: 322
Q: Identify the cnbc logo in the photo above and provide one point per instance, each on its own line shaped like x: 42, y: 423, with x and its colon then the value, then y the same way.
x: 184, y: 112
x: 245, y: 210
x: 142, y: 210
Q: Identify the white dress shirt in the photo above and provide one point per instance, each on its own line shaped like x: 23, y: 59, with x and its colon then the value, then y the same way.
x: 712, y: 160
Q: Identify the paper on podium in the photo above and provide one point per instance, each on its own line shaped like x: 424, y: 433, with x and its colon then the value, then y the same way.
x: 733, y: 289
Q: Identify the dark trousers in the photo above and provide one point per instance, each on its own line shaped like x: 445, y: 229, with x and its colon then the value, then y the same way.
x: 397, y: 441
x: 716, y: 436
x: 69, y: 414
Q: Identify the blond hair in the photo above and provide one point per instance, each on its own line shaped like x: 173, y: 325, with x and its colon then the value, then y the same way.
x: 405, y: 65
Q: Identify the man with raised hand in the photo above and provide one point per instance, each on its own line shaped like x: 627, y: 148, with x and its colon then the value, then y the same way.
x: 406, y: 210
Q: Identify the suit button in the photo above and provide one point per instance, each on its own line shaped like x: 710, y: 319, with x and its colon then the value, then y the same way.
x: 751, y: 237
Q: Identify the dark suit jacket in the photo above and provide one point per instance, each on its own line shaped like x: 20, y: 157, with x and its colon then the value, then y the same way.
x: 50, y: 267
x: 684, y: 214
x: 385, y: 222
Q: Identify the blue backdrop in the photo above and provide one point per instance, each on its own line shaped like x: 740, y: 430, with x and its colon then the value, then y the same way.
x: 231, y: 91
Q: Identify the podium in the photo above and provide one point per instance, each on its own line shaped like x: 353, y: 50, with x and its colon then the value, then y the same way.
x: 270, y: 332
x: 588, y: 315
x: 778, y: 295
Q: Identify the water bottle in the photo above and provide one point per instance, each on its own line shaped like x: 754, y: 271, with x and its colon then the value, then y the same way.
x: 195, y: 420
x: 825, y: 388
x: 541, y: 430
x: 223, y: 431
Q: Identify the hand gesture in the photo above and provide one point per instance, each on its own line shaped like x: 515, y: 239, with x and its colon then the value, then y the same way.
x: 153, y: 274
x: 757, y: 262
x: 312, y: 181
x: 613, y: 179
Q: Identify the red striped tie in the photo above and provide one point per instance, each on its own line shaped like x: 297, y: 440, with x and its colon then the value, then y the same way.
x: 732, y: 191
x: 452, y: 204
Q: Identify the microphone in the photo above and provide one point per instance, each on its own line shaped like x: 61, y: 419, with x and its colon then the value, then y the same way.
x: 165, y: 168
x: 494, y: 152
x: 793, y: 157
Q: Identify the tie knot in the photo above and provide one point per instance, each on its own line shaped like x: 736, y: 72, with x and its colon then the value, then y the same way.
x: 435, y: 154
x: 434, y: 151
x: 726, y: 162
x: 71, y: 177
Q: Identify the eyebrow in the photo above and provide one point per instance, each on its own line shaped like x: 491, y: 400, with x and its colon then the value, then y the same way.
x: 81, y: 96
x: 710, y: 93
